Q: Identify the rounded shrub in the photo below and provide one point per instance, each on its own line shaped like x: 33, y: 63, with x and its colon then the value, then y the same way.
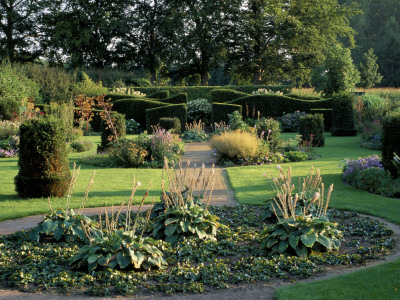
x: 199, y: 109
x: 391, y: 141
x: 343, y: 115
x: 43, y: 162
x: 377, y: 181
x: 107, y: 134
x: 311, y: 128
x: 171, y: 123
x: 236, y: 144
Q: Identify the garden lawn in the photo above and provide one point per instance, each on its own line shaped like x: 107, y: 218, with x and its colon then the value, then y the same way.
x: 380, y: 282
x: 111, y: 186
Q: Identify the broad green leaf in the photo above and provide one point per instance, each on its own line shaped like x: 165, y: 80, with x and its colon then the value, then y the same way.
x: 172, y: 238
x: 170, y: 221
x: 301, y: 251
x: 271, y: 242
x: 308, y: 239
x: 112, y: 264
x: 49, y: 226
x: 58, y: 233
x: 324, y: 241
x: 185, y: 226
x: 140, y: 258
x: 93, y: 258
x: 293, y: 240
x: 123, y: 260
x: 201, y: 234
x: 283, y: 245
x: 171, y: 229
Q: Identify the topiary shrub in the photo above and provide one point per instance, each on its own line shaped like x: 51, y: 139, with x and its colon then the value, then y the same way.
x: 171, y: 123
x: 343, y: 115
x: 43, y: 162
x: 107, y: 134
x: 159, y: 95
x: 224, y: 95
x: 391, y: 141
x: 220, y: 111
x: 154, y: 115
x: 311, y: 128
x: 9, y: 109
x: 327, y: 113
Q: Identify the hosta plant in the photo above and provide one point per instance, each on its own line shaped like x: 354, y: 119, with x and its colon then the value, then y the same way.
x: 301, y: 229
x: 65, y: 224
x: 113, y: 247
x: 194, y: 132
x: 181, y: 212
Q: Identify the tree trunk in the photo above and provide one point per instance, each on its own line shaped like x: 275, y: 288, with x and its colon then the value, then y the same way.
x: 257, y: 76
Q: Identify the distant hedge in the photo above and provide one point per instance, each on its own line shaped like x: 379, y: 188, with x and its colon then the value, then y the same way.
x: 224, y: 95
x: 136, y: 109
x: 204, y: 92
x: 272, y: 105
x: 327, y: 113
x: 159, y: 95
x: 177, y: 99
x: 154, y: 115
x: 343, y: 115
x: 220, y: 111
x: 115, y: 97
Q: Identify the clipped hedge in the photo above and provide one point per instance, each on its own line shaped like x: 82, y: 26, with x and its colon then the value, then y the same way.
x: 224, y: 95
x: 343, y: 115
x: 177, y: 99
x: 312, y: 125
x: 136, y: 109
x: 327, y: 113
x: 115, y: 97
x: 153, y: 115
x: 43, y: 159
x: 303, y: 97
x: 272, y: 105
x: 107, y: 135
x: 171, y: 123
x: 204, y: 92
x: 220, y: 111
x: 9, y: 109
x: 159, y: 95
x: 391, y: 141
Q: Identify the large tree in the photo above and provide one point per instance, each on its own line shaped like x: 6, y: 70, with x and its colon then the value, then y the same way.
x: 285, y: 38
x: 18, y: 30
x: 85, y: 32
x: 199, y: 31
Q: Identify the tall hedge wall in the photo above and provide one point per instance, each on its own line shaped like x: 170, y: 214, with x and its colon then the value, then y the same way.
x: 115, y: 97
x: 220, y: 111
x: 343, y: 115
x: 136, y: 109
x: 176, y: 99
x: 272, y: 105
x: 224, y: 95
x: 327, y: 113
x: 153, y: 115
x: 391, y: 141
x: 204, y: 92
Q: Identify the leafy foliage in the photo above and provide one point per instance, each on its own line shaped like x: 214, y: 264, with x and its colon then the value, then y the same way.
x: 194, y: 132
x: 199, y: 109
x: 369, y: 74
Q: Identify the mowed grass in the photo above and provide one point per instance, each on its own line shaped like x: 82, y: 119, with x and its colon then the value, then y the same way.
x: 111, y: 186
x: 380, y: 282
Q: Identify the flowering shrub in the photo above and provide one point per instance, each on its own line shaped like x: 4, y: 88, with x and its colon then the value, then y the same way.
x: 290, y: 122
x: 268, y: 129
x: 353, y: 166
x: 4, y: 153
x: 199, y: 109
x: 378, y: 181
x: 128, y: 91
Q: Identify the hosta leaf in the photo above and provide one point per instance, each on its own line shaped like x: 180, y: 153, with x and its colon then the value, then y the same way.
x: 172, y: 239
x: 112, y: 264
x: 140, y: 258
x: 283, y: 245
x: 324, y: 241
x: 49, y: 226
x: 301, y: 251
x: 58, y: 233
x: 170, y: 221
x: 201, y: 233
x: 171, y: 229
x: 308, y: 239
x: 185, y: 226
x: 79, y: 232
x: 192, y: 229
x: 293, y: 240
x: 123, y: 260
x: 93, y: 258
x: 271, y: 242
x: 102, y: 261
x: 92, y: 266
x: 278, y: 232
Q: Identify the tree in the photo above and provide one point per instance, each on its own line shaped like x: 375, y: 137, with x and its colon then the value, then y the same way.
x: 369, y: 75
x: 337, y: 73
x: 18, y: 30
x: 199, y: 31
x: 282, y: 38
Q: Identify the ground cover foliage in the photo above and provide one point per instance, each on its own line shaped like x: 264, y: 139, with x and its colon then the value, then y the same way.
x: 194, y: 265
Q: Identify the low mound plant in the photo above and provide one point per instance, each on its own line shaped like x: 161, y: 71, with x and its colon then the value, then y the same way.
x: 194, y: 132
x: 112, y: 247
x: 235, y: 144
x: 298, y: 231
x: 199, y: 109
x: 181, y: 212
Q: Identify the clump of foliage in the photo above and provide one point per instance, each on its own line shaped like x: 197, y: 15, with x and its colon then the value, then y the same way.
x: 172, y: 124
x: 236, y: 144
x: 88, y: 87
x: 311, y: 129
x: 181, y: 213
x: 194, y: 132
x: 128, y: 154
x: 132, y: 127
x: 199, y: 109
x: 352, y: 167
x: 65, y: 224
x: 290, y: 121
x: 112, y: 247
x: 236, y: 122
x: 269, y: 130
x: 81, y: 146
x: 298, y: 231
x: 43, y: 161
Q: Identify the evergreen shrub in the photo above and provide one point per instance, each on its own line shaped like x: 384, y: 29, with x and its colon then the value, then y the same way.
x: 9, y: 109
x: 107, y: 134
x: 312, y: 125
x: 327, y: 113
x: 171, y: 123
x: 343, y: 115
x: 43, y: 162
x: 224, y: 95
x: 159, y: 95
x: 153, y: 115
x: 136, y: 108
x: 391, y: 141
x: 176, y: 99
x: 220, y: 111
